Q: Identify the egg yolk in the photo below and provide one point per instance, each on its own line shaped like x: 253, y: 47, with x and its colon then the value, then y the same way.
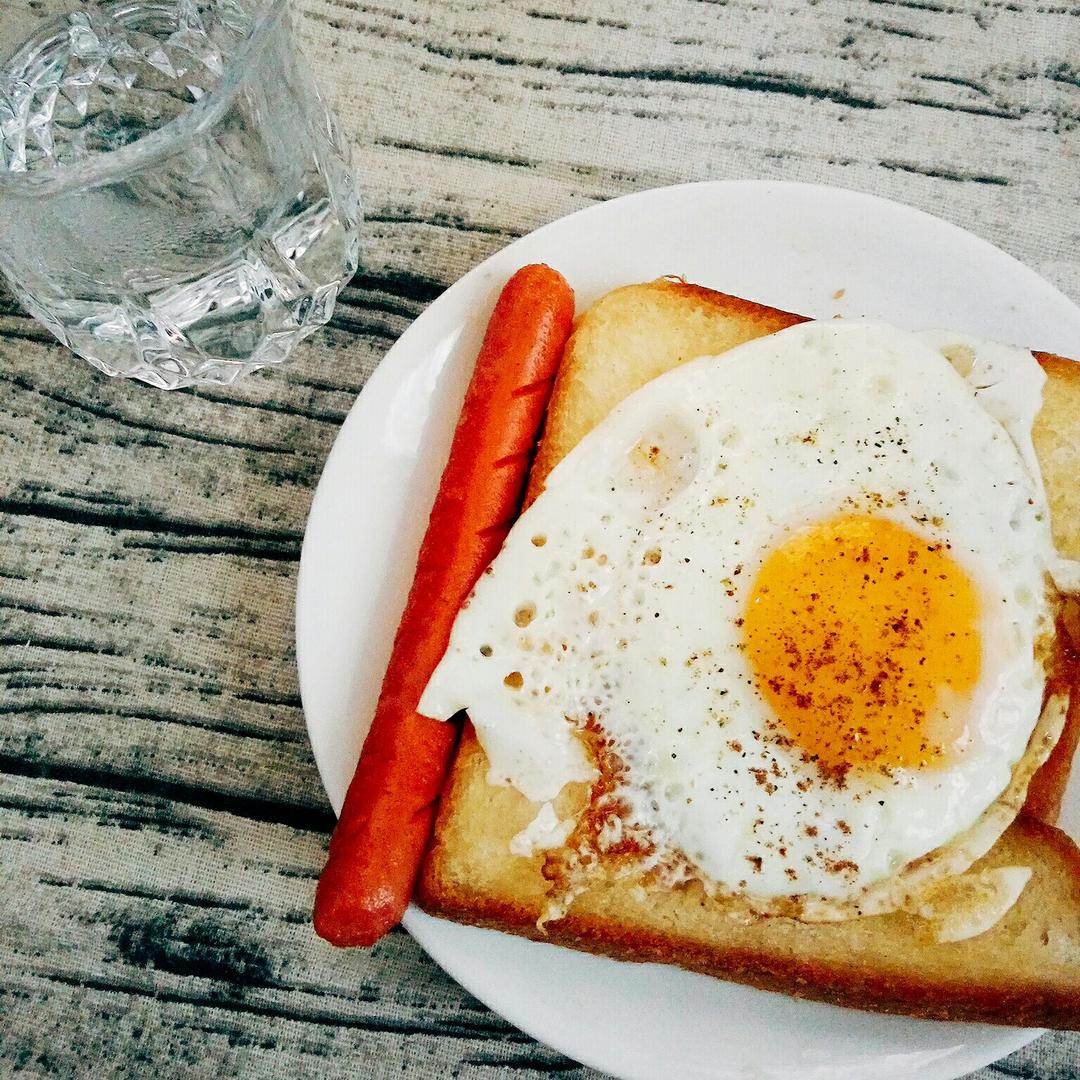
x: 863, y: 638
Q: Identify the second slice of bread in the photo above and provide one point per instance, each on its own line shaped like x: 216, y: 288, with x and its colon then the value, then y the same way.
x: 1025, y: 970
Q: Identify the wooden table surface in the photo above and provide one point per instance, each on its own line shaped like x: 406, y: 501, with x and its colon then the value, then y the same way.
x: 161, y: 821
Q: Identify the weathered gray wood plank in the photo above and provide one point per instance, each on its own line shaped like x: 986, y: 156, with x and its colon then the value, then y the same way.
x: 183, y: 929
x: 161, y: 821
x: 968, y: 105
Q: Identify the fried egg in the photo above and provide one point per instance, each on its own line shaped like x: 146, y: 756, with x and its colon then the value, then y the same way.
x: 791, y: 604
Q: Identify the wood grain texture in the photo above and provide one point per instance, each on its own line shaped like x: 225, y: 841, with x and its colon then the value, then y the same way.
x: 161, y: 822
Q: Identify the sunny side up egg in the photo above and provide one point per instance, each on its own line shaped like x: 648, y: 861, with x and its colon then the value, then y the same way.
x: 798, y: 593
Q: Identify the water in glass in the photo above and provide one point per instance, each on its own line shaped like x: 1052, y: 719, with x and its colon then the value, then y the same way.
x: 174, y: 202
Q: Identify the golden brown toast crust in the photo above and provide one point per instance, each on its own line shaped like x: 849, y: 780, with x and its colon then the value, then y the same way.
x: 695, y: 321
x: 1057, y: 446
x: 1025, y: 970
x: 676, y: 321
x: 1047, y: 787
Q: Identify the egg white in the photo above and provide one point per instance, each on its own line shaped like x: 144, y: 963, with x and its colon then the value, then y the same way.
x: 618, y: 592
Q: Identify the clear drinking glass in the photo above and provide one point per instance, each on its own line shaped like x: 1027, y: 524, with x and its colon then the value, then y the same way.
x: 174, y: 202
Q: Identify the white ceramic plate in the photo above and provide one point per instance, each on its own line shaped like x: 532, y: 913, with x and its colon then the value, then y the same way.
x: 794, y: 246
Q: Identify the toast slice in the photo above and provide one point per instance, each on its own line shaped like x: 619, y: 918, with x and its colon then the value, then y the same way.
x: 1024, y: 970
x: 633, y: 334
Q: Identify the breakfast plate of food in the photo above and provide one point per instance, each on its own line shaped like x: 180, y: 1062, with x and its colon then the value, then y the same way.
x: 707, y: 561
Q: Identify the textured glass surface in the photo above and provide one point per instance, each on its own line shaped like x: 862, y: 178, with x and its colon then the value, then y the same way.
x: 174, y: 204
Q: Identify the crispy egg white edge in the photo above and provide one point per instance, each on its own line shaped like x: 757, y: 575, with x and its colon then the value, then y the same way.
x: 1013, y: 401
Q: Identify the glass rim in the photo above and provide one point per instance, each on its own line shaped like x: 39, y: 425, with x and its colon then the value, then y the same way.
x: 163, y: 141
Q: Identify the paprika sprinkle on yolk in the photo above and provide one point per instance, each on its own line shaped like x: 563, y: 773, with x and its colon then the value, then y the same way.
x: 863, y: 638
